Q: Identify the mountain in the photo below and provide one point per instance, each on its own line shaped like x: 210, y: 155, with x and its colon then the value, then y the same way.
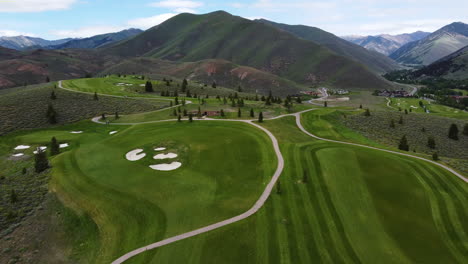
x: 385, y: 43
x: 437, y: 45
x: 97, y: 41
x: 25, y: 42
x: 375, y: 61
x: 453, y: 66
x: 224, y: 73
x: 220, y: 35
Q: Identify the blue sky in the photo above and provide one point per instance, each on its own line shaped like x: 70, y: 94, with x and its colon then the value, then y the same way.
x: 54, y: 19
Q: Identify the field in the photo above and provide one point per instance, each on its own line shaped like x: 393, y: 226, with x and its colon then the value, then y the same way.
x: 435, y: 109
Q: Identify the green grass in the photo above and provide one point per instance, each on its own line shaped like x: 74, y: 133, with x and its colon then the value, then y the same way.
x: 133, y: 205
x: 435, y: 109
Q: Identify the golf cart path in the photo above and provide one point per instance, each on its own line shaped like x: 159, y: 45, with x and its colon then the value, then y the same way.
x: 266, y: 193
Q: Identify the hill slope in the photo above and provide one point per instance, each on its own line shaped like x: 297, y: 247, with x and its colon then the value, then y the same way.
x: 375, y: 61
x: 25, y: 42
x: 454, y: 66
x: 189, y: 37
x: 224, y: 73
x: 437, y: 45
x: 98, y: 40
x: 385, y: 43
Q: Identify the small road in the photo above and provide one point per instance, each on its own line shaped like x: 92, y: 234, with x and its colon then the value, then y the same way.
x: 267, y: 191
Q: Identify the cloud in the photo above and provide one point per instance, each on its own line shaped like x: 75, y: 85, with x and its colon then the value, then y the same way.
x: 175, y: 4
x: 147, y: 22
x: 13, y: 33
x: 19, y: 6
x: 85, y: 32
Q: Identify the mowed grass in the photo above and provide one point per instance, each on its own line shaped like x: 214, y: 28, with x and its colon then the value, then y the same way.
x: 434, y: 108
x: 225, y: 167
x: 353, y: 206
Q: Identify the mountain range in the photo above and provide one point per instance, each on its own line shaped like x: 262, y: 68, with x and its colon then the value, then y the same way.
x: 453, y: 66
x: 433, y: 47
x: 25, y: 42
x: 385, y: 43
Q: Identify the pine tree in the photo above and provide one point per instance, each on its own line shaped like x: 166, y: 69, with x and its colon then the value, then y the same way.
x: 185, y: 112
x: 431, y: 142
x: 239, y: 114
x: 117, y: 115
x: 47, y: 79
x: 453, y: 132
x: 54, y: 147
x: 53, y: 96
x: 367, y: 112
x: 406, y: 111
x: 149, y: 87
x: 465, y: 129
x: 221, y: 113
x: 103, y: 116
x: 184, y: 85
x: 299, y: 100
x: 190, y: 118
x: 95, y: 96
x: 325, y: 104
x: 435, y: 156
x: 179, y: 118
x: 239, y: 89
x: 40, y: 161
x: 260, y: 117
x: 176, y: 101
x: 213, y: 85
x: 252, y: 112
x: 360, y: 106
x: 403, y: 144
x: 51, y: 115
x: 278, y: 187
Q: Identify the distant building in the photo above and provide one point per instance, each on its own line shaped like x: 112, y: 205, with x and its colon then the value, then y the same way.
x: 392, y: 93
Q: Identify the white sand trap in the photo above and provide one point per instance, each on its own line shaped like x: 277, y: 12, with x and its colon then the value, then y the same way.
x: 41, y: 148
x: 112, y: 132
x: 165, y: 156
x: 20, y: 147
x: 76, y: 132
x: 134, y: 156
x: 166, y: 167
x: 18, y: 155
x: 64, y: 145
x: 159, y: 149
x: 414, y: 107
x: 142, y: 85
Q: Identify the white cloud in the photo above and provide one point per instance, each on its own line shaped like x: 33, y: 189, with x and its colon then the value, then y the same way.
x: 18, y: 6
x: 177, y: 4
x: 13, y: 33
x: 147, y: 22
x: 85, y: 32
x: 185, y: 10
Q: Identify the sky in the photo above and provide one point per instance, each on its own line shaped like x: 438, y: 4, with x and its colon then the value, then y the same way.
x: 56, y: 19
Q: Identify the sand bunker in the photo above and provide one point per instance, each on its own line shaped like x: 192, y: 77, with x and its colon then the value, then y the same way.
x: 18, y: 155
x: 134, y: 156
x: 20, y: 147
x: 159, y: 149
x: 76, y: 132
x: 166, y: 167
x: 165, y: 156
x: 112, y: 132
x: 414, y: 107
x: 64, y: 145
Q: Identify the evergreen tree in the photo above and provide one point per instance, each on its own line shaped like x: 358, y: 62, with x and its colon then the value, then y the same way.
x: 403, y: 144
x: 149, y: 87
x: 51, y: 115
x: 190, y: 118
x: 252, y: 112
x: 221, y: 113
x: 13, y: 196
x: 95, y: 96
x: 103, y: 116
x: 367, y: 112
x: 299, y: 100
x: 435, y: 156
x: 239, y: 114
x: 185, y: 112
x: 325, y: 104
x: 256, y: 97
x: 47, y: 79
x: 360, y: 106
x: 453, y: 132
x: 213, y: 85
x: 53, y: 96
x: 431, y: 142
x: 54, y: 147
x: 179, y: 118
x: 239, y: 89
x: 465, y: 129
x: 278, y: 187
x: 423, y: 129
x: 260, y: 117
x: 268, y: 101
x: 24, y: 171
x: 40, y: 161
x: 184, y: 85
x: 117, y: 115
x: 392, y: 123
x: 406, y: 111
x: 176, y: 101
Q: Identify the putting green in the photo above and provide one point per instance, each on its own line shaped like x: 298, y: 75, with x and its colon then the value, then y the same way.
x: 225, y: 167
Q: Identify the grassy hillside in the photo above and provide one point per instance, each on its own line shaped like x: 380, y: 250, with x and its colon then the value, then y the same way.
x: 372, y: 59
x: 189, y: 37
x: 222, y: 72
x: 454, y: 66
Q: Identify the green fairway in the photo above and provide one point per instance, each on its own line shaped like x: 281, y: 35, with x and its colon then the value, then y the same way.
x: 133, y: 205
x: 354, y: 206
x: 432, y: 107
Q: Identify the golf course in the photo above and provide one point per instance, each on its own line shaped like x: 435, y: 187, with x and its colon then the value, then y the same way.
x: 277, y: 191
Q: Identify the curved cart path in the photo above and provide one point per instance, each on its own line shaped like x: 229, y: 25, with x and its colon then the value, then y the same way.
x: 266, y: 193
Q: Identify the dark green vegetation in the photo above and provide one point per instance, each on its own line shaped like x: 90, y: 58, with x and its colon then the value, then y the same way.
x: 189, y: 37
x: 437, y: 45
x: 372, y: 59
x: 26, y: 107
x: 453, y: 66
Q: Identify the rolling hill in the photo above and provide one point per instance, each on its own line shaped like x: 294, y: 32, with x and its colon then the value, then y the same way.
x: 98, y: 40
x: 437, y: 45
x: 454, y: 66
x: 188, y: 37
x: 224, y: 73
x: 374, y: 60
x: 385, y: 43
